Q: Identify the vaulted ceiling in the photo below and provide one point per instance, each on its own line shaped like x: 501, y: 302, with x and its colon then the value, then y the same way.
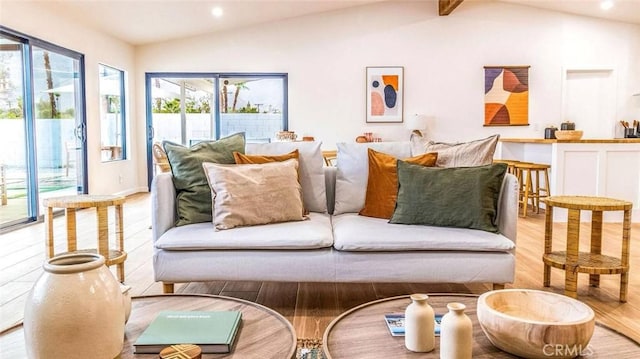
x: 147, y: 21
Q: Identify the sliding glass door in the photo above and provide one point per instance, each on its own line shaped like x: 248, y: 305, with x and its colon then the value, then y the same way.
x: 42, y: 131
x: 187, y: 108
x: 14, y: 199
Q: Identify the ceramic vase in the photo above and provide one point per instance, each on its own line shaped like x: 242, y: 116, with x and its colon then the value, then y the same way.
x: 126, y: 301
x: 419, y: 322
x: 456, y: 333
x: 75, y: 310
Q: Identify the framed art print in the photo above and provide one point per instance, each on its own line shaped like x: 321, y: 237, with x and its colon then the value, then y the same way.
x: 506, y: 95
x: 385, y: 94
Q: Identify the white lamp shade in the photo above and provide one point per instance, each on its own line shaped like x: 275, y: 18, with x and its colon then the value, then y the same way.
x: 417, y: 122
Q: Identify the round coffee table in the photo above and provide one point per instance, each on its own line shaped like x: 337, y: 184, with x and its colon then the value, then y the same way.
x: 263, y: 333
x: 362, y: 333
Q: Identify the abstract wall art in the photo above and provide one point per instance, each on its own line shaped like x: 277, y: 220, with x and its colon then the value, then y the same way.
x: 506, y: 95
x: 385, y: 94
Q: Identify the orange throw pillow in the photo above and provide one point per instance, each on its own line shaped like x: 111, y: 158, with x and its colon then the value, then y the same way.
x: 242, y: 159
x: 382, y: 185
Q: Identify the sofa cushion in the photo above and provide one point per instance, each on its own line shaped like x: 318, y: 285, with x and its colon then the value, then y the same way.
x: 362, y: 234
x: 193, y: 192
x: 310, y: 234
x: 243, y: 159
x: 252, y: 194
x: 310, y: 170
x: 465, y: 197
x: 353, y: 171
x: 464, y: 154
x: 382, y: 182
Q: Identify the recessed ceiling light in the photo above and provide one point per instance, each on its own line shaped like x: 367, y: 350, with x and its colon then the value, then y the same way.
x: 217, y: 11
x: 606, y: 4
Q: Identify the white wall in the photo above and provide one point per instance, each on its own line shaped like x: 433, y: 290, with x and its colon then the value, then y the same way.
x: 325, y: 56
x: 36, y: 20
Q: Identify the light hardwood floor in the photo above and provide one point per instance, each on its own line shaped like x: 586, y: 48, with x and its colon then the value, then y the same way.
x: 311, y: 306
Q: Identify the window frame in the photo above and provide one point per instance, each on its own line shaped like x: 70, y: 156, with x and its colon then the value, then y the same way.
x: 123, y: 112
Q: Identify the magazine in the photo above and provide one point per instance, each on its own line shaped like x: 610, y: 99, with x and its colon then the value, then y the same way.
x: 395, y: 323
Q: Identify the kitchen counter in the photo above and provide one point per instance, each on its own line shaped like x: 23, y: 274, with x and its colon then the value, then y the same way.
x: 587, y: 167
x: 584, y: 140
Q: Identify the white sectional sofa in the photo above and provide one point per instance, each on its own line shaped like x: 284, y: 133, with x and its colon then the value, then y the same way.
x: 338, y: 247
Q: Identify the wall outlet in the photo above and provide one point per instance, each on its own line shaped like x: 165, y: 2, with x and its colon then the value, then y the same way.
x: 119, y: 178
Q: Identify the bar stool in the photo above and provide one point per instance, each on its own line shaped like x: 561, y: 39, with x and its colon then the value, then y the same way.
x: 530, y: 190
x: 511, y: 165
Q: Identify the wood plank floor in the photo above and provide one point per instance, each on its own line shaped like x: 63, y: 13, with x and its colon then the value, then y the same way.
x: 311, y: 306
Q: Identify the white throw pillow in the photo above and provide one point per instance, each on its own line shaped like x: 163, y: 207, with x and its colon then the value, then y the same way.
x: 245, y: 195
x: 311, y: 168
x: 353, y: 171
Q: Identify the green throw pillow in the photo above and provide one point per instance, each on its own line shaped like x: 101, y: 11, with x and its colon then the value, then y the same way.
x: 465, y: 197
x: 192, y: 188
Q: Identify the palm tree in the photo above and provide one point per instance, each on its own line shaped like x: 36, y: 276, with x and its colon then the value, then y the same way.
x: 52, y: 96
x: 225, y: 100
x: 239, y: 86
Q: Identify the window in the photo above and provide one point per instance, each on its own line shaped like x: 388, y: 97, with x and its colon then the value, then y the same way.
x: 190, y: 107
x: 112, y: 118
x: 253, y: 104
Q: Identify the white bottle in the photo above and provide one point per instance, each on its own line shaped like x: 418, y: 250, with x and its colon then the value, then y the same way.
x: 456, y: 333
x: 419, y: 321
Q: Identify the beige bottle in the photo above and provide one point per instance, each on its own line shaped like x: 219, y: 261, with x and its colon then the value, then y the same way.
x: 419, y: 335
x: 456, y: 333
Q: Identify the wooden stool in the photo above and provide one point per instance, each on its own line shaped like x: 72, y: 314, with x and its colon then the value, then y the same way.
x: 526, y: 172
x: 572, y: 261
x: 330, y: 157
x: 101, y: 203
x: 511, y: 165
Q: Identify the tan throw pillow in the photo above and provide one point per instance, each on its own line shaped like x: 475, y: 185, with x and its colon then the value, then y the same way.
x: 243, y: 159
x: 466, y: 154
x: 245, y: 195
x: 382, y: 184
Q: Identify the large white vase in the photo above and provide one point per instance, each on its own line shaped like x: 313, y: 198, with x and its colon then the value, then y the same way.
x: 419, y: 323
x: 75, y: 310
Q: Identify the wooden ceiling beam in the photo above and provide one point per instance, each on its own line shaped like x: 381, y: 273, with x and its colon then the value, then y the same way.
x: 446, y: 7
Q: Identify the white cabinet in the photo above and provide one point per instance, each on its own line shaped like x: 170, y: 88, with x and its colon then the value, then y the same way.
x: 607, y: 168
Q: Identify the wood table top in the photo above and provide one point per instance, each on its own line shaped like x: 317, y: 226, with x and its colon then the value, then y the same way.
x: 592, y: 203
x: 585, y: 140
x: 83, y: 201
x: 362, y: 333
x: 263, y: 333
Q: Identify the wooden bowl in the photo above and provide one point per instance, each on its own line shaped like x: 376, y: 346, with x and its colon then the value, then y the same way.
x: 568, y: 134
x: 536, y: 324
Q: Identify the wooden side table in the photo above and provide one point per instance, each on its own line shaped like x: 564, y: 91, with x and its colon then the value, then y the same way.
x: 594, y: 262
x: 100, y: 203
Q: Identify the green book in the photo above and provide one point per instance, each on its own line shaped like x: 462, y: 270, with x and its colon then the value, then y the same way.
x: 212, y: 331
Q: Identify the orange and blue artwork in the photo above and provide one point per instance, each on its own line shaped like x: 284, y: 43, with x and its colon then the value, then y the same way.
x: 506, y: 95
x: 384, y: 94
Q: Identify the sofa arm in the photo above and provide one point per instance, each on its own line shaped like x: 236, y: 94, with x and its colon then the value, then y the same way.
x: 163, y: 204
x: 508, y: 207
